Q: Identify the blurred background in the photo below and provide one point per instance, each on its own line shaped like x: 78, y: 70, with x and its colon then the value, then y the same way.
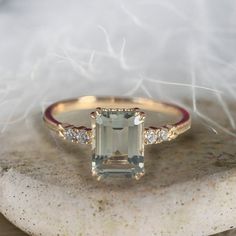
x: 178, y: 51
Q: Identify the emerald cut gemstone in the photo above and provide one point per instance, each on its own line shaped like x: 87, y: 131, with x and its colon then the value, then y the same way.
x: 118, y: 143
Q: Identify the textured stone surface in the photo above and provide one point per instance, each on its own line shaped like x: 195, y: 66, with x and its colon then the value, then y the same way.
x: 189, y: 189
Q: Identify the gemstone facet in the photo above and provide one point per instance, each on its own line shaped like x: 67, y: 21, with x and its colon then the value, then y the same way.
x: 118, y: 143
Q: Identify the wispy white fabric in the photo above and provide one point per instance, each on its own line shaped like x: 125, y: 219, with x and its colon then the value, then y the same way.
x: 170, y: 50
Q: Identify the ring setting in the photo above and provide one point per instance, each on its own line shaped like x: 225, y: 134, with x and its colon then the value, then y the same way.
x: 117, y: 134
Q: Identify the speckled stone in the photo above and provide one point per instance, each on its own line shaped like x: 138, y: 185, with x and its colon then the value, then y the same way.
x: 189, y: 189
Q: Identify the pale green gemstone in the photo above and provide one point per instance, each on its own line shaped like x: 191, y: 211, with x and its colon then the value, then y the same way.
x: 118, y: 143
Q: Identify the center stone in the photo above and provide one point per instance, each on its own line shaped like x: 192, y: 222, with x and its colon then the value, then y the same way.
x: 118, y: 143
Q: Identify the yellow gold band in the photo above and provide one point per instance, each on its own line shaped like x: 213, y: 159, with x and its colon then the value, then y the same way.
x: 92, y: 102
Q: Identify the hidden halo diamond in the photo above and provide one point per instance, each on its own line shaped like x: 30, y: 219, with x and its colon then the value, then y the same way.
x: 117, y: 133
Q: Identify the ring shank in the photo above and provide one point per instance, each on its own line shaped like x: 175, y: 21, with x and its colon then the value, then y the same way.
x: 92, y: 102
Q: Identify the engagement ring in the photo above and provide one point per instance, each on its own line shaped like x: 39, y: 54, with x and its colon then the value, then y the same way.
x: 117, y: 133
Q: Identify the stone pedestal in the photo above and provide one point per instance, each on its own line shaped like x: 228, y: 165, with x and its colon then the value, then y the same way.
x: 189, y: 189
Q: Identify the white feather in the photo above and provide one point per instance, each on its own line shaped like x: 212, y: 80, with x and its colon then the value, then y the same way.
x: 173, y: 50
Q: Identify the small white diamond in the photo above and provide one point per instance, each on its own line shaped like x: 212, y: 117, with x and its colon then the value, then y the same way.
x: 82, y: 136
x: 76, y: 135
x: 151, y: 136
x: 70, y: 134
x: 163, y: 135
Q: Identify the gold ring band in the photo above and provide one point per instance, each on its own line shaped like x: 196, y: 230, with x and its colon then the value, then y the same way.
x: 92, y: 102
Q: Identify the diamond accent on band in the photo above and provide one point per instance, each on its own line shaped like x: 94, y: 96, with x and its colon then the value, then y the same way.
x: 83, y: 136
x: 154, y: 135
x: 150, y: 136
x: 118, y: 143
x: 70, y: 134
x: 76, y: 134
x: 163, y: 134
